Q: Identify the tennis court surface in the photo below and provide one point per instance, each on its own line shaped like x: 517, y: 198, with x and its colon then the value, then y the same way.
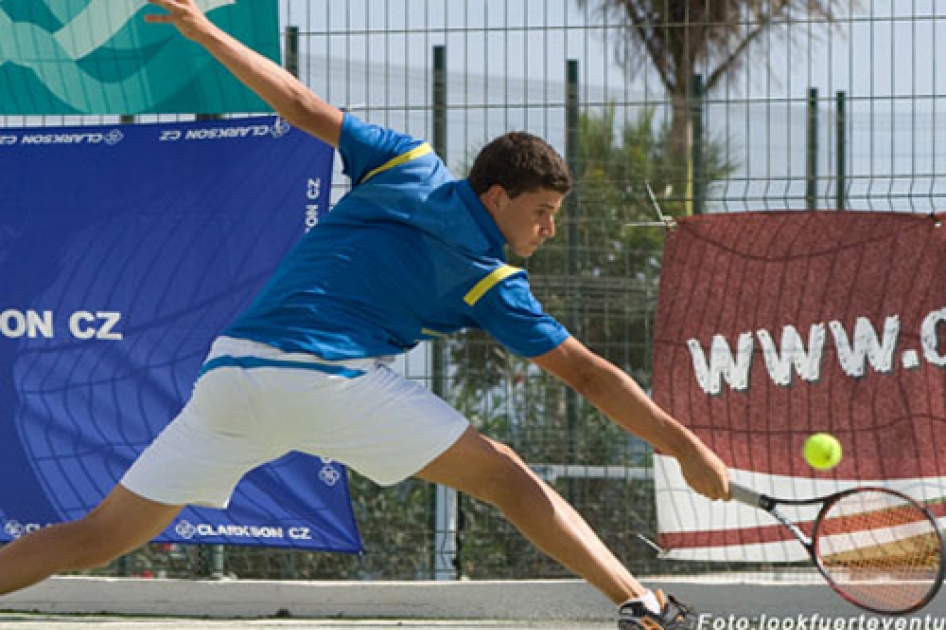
x: 28, y: 621
x: 725, y: 602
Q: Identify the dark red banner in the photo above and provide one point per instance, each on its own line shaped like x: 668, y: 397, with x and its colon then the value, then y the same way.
x: 772, y: 326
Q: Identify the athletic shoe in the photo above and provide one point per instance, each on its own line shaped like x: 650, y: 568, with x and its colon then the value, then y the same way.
x: 673, y: 615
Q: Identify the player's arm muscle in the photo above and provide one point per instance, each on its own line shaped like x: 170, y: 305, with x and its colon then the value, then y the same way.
x: 285, y: 93
x: 616, y: 395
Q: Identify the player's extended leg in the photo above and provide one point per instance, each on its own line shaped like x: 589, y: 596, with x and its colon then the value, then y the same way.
x: 493, y: 472
x: 122, y: 522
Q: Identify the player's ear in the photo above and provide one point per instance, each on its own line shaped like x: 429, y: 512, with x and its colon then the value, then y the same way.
x: 495, y: 198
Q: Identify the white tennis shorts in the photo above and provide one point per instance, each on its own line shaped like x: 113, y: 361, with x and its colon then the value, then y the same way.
x: 254, y: 403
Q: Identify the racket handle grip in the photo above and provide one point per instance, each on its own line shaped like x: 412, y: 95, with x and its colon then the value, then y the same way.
x: 741, y: 493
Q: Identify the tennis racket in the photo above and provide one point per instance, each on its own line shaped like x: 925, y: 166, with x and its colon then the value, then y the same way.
x: 879, y: 549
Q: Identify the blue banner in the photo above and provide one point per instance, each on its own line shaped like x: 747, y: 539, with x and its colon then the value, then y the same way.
x: 124, y: 250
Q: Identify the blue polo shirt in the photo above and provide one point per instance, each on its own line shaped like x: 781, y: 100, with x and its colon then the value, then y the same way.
x: 410, y: 253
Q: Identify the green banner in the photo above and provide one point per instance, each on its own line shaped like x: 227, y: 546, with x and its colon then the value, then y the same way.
x: 101, y: 57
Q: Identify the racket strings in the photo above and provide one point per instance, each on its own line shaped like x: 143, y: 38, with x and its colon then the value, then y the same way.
x: 880, y: 550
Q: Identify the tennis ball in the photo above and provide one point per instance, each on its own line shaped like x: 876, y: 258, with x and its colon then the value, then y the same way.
x: 822, y: 451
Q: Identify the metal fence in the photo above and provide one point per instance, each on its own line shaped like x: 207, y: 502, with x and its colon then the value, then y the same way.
x: 718, y: 106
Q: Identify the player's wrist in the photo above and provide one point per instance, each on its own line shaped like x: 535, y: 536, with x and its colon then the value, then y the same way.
x: 205, y: 34
x: 686, y: 446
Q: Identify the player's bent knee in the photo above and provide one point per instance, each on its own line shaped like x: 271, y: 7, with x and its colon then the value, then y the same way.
x: 87, y: 553
x: 91, y: 546
x: 509, y: 477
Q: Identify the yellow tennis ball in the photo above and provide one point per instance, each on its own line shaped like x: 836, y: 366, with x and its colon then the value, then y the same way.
x: 822, y: 451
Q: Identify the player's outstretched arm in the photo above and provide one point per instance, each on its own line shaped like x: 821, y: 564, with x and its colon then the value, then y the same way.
x: 618, y: 397
x: 287, y: 95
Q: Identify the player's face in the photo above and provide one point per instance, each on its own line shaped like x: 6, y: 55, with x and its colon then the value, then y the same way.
x: 526, y: 221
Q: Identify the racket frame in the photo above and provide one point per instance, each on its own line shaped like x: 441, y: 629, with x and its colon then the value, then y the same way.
x: 753, y: 498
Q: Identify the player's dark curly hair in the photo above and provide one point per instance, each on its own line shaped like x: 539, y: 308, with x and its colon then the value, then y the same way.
x: 520, y: 162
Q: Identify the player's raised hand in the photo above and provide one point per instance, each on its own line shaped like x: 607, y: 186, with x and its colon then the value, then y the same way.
x: 184, y: 14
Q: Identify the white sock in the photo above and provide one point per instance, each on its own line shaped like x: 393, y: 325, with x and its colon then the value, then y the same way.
x: 649, y: 600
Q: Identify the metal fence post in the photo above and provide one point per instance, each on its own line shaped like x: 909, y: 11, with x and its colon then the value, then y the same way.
x: 811, y: 168
x: 573, y: 297
x: 292, y: 50
x: 697, y: 161
x: 841, y: 156
x: 446, y: 501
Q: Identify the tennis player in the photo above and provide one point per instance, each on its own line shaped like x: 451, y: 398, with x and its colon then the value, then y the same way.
x: 409, y: 253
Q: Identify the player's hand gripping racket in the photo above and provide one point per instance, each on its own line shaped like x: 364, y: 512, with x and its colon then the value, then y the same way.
x: 879, y: 549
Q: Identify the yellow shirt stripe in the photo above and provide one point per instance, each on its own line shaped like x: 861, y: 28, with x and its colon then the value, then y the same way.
x: 498, y: 275
x: 413, y: 154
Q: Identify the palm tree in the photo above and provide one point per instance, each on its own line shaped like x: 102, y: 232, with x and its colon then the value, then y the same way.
x: 681, y: 38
